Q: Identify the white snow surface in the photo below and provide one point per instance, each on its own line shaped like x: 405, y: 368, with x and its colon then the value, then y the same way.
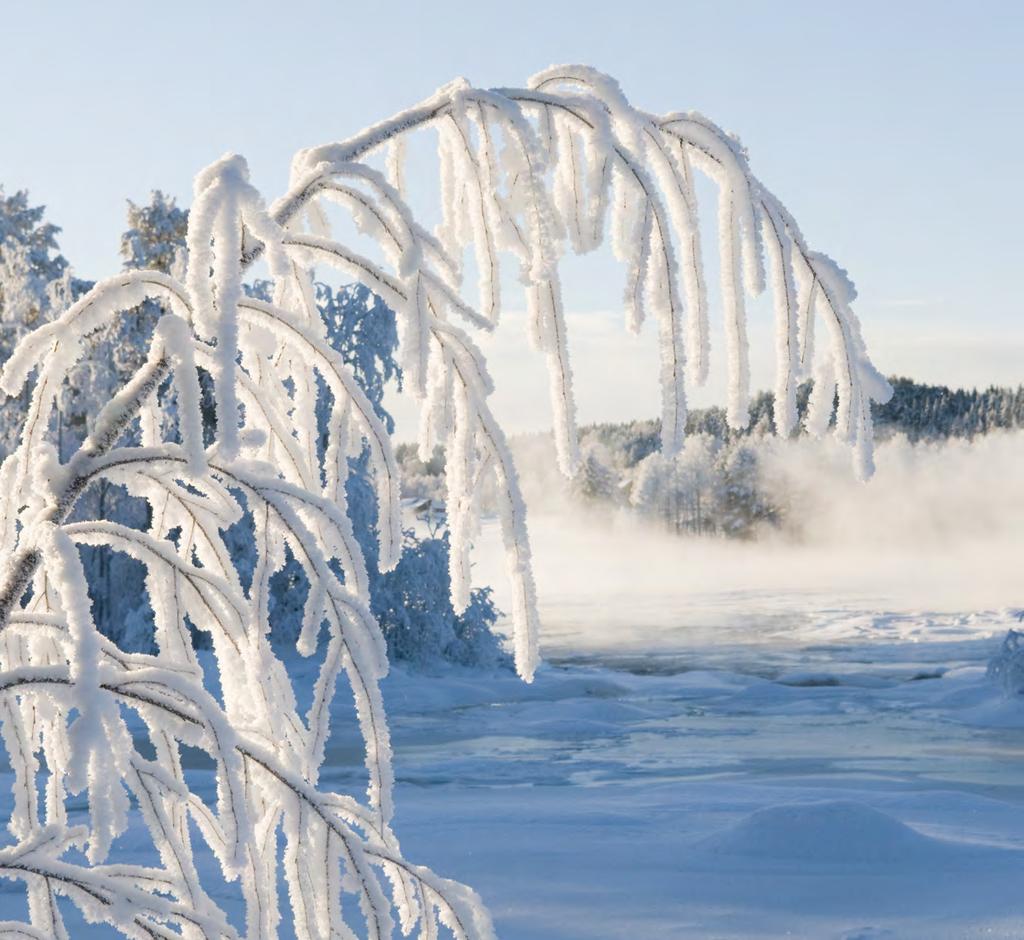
x: 713, y: 762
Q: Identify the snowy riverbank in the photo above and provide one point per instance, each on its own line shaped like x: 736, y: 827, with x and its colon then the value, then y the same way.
x: 864, y: 781
x: 700, y: 761
x: 876, y: 793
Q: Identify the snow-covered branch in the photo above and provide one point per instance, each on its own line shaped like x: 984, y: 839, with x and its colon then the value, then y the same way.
x: 525, y: 174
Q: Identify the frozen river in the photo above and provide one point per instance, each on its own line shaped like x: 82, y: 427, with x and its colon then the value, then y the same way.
x: 721, y: 744
x: 811, y: 756
x: 626, y: 795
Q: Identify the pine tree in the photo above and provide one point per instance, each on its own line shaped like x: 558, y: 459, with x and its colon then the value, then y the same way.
x: 595, y: 483
x: 742, y: 506
x: 35, y: 282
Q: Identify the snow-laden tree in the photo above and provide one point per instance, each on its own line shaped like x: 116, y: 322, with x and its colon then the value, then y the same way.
x: 412, y: 601
x: 684, y: 491
x: 742, y: 506
x: 595, y: 481
x: 653, y: 488
x: 35, y: 280
x: 22, y: 226
x: 697, y: 480
x: 154, y: 240
x: 708, y: 487
x: 528, y: 172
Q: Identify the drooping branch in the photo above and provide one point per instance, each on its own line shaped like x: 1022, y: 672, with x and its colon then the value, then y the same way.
x: 526, y: 174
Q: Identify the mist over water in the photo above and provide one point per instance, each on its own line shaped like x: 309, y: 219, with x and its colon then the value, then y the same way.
x: 940, y: 528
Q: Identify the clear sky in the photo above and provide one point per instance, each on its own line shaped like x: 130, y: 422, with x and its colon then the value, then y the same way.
x: 893, y: 131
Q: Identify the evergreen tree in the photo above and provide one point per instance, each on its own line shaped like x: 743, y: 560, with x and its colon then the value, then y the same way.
x: 154, y: 240
x: 35, y: 281
x: 595, y: 482
x: 413, y: 601
x: 742, y: 506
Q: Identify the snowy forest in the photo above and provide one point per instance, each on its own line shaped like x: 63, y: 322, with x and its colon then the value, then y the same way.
x: 271, y: 668
x: 412, y: 601
x: 717, y: 484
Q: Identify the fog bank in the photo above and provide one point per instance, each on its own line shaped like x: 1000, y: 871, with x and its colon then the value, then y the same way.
x: 939, y: 528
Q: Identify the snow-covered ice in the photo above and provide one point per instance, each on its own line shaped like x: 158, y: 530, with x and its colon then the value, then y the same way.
x: 724, y: 762
x: 771, y: 765
x: 874, y: 792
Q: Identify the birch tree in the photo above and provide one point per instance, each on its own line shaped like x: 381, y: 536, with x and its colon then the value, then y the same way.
x: 526, y: 174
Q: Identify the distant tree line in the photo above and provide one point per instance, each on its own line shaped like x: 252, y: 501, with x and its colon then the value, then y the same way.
x: 930, y: 412
x: 715, y: 485
x: 916, y: 410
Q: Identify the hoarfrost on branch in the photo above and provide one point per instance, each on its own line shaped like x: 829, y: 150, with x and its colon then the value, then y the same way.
x: 528, y: 173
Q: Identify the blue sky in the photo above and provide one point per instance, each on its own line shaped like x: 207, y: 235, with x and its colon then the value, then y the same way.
x: 893, y: 131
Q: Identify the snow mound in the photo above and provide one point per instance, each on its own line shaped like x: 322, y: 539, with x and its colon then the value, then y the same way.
x: 833, y: 831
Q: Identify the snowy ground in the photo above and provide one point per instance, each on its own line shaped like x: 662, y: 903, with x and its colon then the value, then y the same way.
x: 816, y: 762
x: 865, y: 781
x: 732, y: 742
